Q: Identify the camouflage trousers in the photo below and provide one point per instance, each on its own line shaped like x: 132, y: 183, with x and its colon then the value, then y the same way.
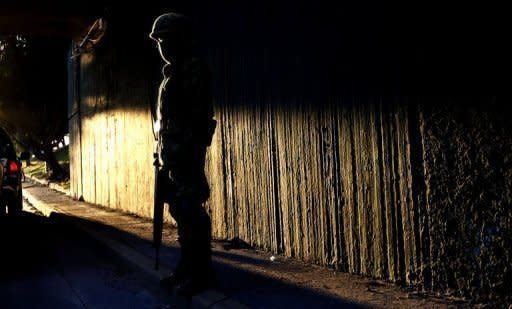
x: 188, y: 188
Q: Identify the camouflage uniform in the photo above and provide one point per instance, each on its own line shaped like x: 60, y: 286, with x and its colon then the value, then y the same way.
x: 185, y: 113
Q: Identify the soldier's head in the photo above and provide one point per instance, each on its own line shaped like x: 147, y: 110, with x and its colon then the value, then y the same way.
x: 173, y: 34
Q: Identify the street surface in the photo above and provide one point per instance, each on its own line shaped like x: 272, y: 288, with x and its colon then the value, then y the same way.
x: 246, y: 275
x: 44, y: 264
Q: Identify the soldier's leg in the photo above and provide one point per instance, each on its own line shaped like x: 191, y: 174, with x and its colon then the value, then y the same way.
x: 196, y: 226
x: 182, y: 268
x: 178, y: 275
x: 197, y: 233
x: 188, y: 193
x: 196, y: 247
x: 196, y: 215
x: 194, y: 268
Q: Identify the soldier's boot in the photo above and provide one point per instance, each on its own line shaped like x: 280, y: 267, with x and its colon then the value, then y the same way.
x: 177, y: 277
x: 173, y: 280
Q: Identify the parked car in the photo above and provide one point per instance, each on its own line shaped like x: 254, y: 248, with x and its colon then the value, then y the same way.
x: 10, y: 177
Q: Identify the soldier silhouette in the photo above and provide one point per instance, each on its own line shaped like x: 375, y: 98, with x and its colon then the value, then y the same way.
x: 185, y: 125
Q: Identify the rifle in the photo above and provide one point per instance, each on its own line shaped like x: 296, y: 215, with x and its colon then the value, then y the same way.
x: 158, y: 213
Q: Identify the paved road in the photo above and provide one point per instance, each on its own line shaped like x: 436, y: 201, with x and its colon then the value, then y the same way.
x: 44, y: 264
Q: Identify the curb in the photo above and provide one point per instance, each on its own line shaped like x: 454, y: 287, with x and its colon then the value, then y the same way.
x: 206, y: 299
x: 48, y: 183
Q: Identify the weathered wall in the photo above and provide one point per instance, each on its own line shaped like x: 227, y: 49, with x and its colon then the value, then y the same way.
x: 330, y: 185
x: 111, y: 141
x: 468, y: 164
x: 313, y: 157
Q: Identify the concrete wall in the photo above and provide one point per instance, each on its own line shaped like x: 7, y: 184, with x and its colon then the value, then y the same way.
x: 467, y: 150
x: 318, y: 154
x: 111, y: 141
x: 331, y: 186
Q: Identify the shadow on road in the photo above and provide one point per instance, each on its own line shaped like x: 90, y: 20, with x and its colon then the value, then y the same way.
x: 47, y: 264
x: 31, y: 245
x: 253, y: 289
x: 24, y: 245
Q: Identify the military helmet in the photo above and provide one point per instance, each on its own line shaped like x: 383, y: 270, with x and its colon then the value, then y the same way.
x: 169, y: 22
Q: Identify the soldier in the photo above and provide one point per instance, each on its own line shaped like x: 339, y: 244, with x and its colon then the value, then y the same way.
x: 186, y: 126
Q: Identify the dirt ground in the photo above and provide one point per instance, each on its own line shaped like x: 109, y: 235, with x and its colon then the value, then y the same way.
x: 359, y: 289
